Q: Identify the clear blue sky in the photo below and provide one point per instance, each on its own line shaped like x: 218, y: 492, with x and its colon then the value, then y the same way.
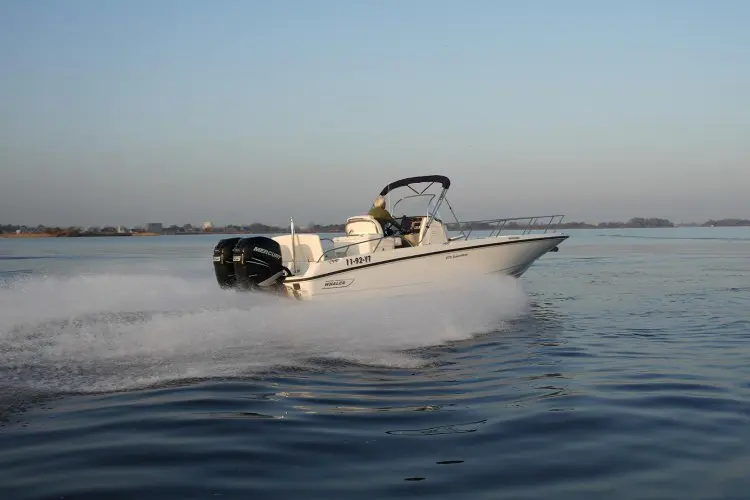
x: 239, y: 111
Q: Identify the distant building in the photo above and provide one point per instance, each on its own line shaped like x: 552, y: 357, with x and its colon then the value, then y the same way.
x: 154, y: 227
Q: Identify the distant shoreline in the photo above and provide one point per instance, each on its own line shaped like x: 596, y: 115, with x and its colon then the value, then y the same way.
x: 512, y: 224
x: 518, y: 224
x: 122, y: 235
x: 79, y: 235
x: 285, y: 230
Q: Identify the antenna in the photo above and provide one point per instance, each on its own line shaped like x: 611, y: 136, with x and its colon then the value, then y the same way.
x: 294, y: 258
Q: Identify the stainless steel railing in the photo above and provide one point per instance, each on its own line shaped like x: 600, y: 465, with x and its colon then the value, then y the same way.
x: 526, y: 225
x: 520, y: 225
x: 346, y: 247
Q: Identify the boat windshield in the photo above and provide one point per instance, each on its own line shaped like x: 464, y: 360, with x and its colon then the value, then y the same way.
x: 411, y: 205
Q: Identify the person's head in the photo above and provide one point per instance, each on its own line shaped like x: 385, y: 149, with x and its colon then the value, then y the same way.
x: 379, y: 202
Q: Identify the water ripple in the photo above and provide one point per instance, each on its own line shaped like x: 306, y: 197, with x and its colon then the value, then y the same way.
x: 619, y: 372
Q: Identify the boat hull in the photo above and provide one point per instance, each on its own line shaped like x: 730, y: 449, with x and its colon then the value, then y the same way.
x: 411, y: 269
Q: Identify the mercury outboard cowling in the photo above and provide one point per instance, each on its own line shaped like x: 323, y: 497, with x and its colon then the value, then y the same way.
x: 258, y: 264
x: 223, y: 263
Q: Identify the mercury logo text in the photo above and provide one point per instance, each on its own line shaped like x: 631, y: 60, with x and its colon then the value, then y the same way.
x: 267, y: 252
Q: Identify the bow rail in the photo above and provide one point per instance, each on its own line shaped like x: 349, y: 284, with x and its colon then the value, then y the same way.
x: 519, y: 225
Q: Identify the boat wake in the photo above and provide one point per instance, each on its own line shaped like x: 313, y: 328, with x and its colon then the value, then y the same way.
x: 110, y: 332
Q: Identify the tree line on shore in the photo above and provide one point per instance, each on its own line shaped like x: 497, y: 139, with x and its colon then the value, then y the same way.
x: 259, y: 228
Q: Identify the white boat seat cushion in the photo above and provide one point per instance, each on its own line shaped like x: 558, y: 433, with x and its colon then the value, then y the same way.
x: 363, y: 224
x: 307, y: 247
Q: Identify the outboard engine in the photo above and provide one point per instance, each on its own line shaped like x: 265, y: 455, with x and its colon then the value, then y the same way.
x: 223, y: 263
x: 258, y: 265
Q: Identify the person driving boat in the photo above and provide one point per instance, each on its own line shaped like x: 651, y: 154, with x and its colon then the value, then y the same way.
x: 380, y: 214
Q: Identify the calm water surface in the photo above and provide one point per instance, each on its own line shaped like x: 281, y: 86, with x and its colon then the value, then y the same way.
x: 616, y: 368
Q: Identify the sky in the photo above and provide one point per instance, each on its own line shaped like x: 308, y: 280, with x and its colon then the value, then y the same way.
x: 182, y: 111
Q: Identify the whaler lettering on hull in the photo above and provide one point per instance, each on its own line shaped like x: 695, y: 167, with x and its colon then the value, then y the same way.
x: 342, y: 283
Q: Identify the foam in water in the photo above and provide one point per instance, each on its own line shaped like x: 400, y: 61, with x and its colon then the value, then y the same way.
x: 110, y: 332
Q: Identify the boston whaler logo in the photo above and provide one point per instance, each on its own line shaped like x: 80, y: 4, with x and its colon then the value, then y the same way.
x: 338, y: 283
x: 267, y: 252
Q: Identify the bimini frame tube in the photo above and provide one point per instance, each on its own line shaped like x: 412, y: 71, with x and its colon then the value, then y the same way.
x: 434, y: 211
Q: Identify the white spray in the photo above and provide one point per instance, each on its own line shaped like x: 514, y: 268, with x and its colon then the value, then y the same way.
x: 107, y: 332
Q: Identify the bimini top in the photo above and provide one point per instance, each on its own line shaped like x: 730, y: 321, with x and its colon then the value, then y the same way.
x: 446, y: 182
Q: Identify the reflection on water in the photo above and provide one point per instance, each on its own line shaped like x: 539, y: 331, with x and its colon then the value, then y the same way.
x: 441, y: 429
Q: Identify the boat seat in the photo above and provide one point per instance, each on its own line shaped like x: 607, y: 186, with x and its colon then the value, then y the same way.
x: 307, y: 247
x: 363, y: 224
x: 411, y: 238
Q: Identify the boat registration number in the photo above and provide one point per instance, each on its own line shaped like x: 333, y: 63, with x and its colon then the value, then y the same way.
x: 352, y: 261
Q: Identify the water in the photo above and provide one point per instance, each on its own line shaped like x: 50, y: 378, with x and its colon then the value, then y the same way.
x: 616, y: 368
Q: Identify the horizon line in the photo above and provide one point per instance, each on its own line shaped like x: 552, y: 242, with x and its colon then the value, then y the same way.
x: 542, y: 217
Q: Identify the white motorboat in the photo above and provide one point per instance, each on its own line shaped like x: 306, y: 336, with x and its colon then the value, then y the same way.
x: 370, y: 258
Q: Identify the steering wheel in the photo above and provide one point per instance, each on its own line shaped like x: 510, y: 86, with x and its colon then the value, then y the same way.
x: 391, y: 229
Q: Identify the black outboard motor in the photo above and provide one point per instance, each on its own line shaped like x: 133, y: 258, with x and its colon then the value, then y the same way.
x: 258, y: 265
x: 223, y: 263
